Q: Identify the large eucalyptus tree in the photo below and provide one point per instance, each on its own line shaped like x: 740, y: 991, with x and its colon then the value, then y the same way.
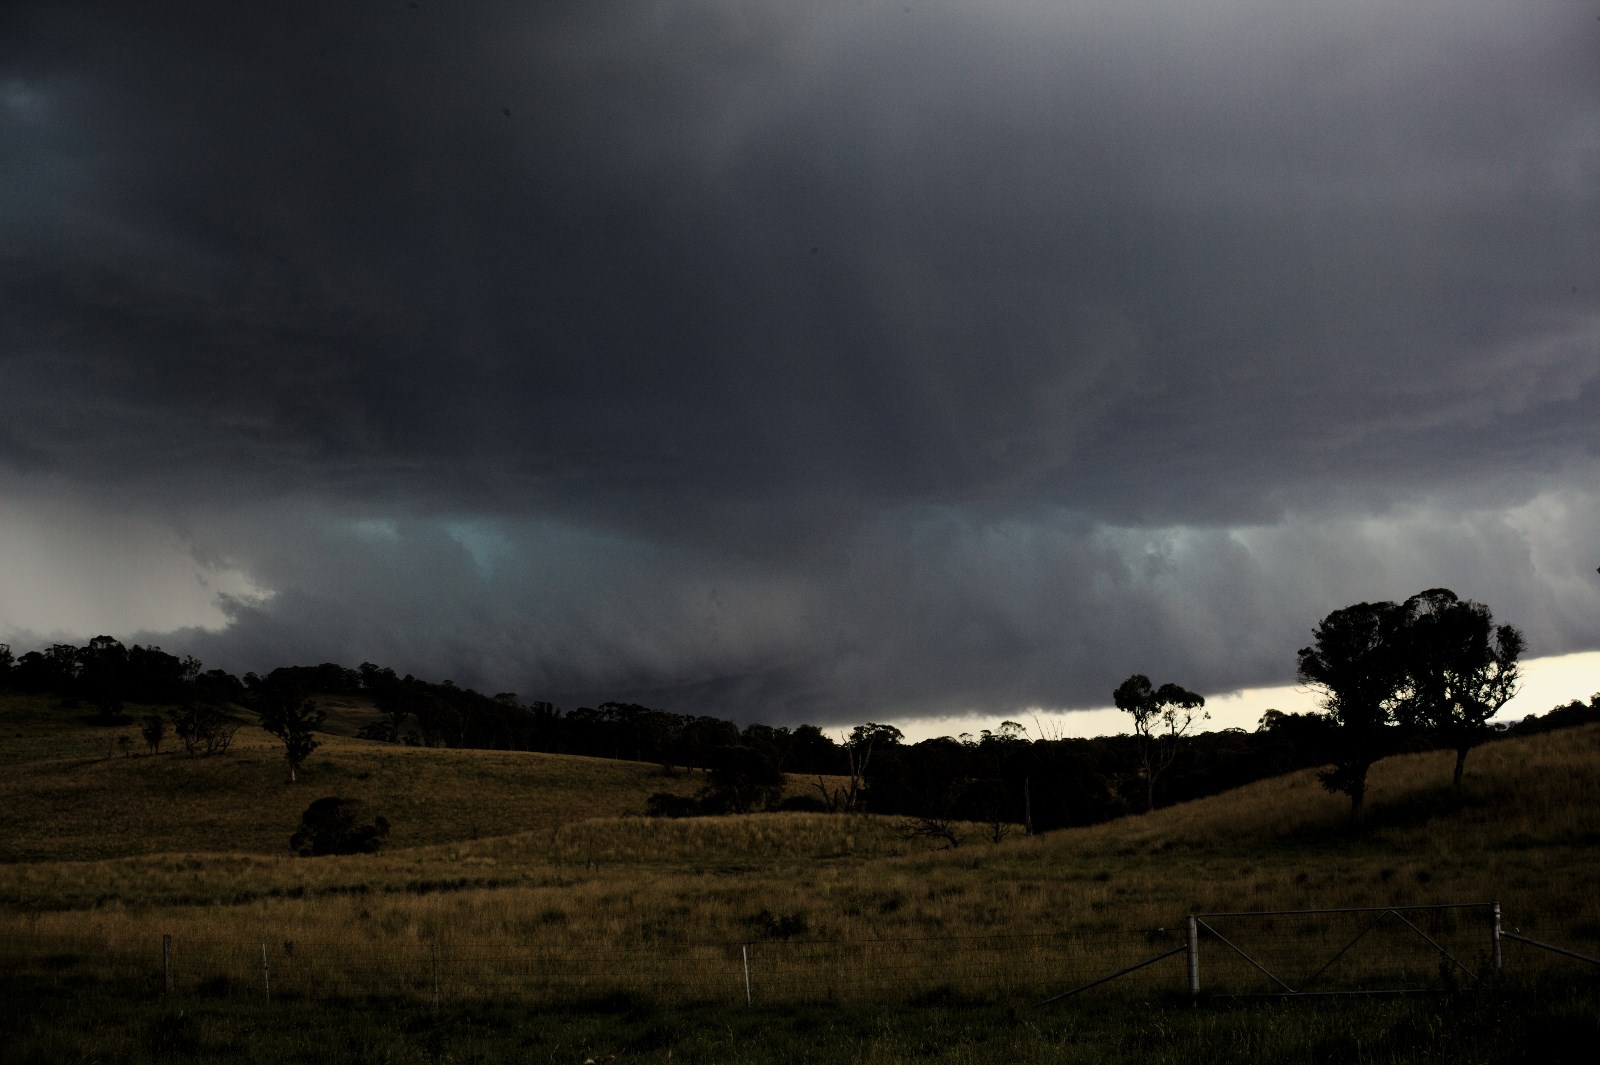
x: 1161, y: 716
x: 1357, y: 664
x: 1463, y: 668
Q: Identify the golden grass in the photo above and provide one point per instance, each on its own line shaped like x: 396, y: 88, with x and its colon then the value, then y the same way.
x: 66, y: 800
x: 243, y: 802
x: 566, y: 888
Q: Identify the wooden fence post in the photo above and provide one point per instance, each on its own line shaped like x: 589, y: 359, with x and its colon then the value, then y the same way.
x: 745, y: 951
x: 266, y: 975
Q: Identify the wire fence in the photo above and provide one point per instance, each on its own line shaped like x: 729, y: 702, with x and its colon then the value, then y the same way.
x: 1306, y: 952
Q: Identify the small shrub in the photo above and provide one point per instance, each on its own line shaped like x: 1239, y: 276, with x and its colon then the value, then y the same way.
x: 666, y: 804
x: 780, y: 926
x: 332, y: 825
x: 153, y: 727
x: 201, y: 729
x: 382, y: 730
x: 802, y: 804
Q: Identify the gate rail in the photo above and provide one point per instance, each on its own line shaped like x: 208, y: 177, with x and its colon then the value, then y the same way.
x: 1551, y: 947
x: 1407, y: 919
x: 1380, y: 914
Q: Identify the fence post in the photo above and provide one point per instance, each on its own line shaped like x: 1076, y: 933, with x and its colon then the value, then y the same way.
x: 1194, y: 956
x: 1495, y: 946
x: 745, y: 952
x: 266, y: 977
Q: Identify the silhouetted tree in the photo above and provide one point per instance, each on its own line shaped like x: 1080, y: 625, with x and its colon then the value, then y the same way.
x: 1285, y: 742
x: 1462, y: 667
x: 330, y: 678
x: 214, y: 685
x: 928, y: 779
x: 154, y: 676
x: 66, y: 664
x: 1569, y: 715
x: 1358, y: 665
x: 28, y: 673
x: 858, y: 750
x: 929, y: 827
x: 153, y: 727
x: 812, y: 751
x: 202, y: 728
x: 1160, y: 718
x: 439, y: 717
x: 388, y: 695
x: 742, y: 778
x: 701, y: 737
x: 292, y: 718
x: 103, y: 675
x: 769, y: 740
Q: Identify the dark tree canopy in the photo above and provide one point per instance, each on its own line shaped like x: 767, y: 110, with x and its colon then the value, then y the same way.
x: 1160, y: 717
x: 103, y: 675
x: 1357, y: 664
x: 1462, y: 668
x: 1435, y: 667
x: 743, y: 778
x: 291, y: 717
x: 333, y: 825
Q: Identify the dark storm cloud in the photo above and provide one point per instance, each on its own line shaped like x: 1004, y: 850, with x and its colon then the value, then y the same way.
x: 794, y: 359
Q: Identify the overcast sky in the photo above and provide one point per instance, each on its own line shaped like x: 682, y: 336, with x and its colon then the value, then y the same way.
x: 785, y: 361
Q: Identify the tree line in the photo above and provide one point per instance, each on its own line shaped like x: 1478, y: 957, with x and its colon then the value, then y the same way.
x: 1428, y: 673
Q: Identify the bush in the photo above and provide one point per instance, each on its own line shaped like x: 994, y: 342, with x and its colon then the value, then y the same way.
x: 333, y: 825
x: 153, y: 727
x: 743, y: 778
x: 780, y: 926
x: 200, y: 728
x: 802, y: 804
x: 666, y: 804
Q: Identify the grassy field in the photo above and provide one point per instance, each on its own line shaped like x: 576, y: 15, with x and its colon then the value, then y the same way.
x: 531, y: 879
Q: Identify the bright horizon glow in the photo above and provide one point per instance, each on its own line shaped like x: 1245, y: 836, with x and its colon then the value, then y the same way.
x: 74, y: 571
x: 1546, y: 684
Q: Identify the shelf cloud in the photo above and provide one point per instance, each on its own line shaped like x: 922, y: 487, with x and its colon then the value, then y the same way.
x: 796, y: 361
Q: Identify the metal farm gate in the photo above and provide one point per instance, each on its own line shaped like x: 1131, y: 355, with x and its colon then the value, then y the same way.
x: 1366, y: 950
x: 1352, y: 951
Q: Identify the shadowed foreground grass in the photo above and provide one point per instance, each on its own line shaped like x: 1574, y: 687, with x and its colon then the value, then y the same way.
x: 1554, y: 1022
